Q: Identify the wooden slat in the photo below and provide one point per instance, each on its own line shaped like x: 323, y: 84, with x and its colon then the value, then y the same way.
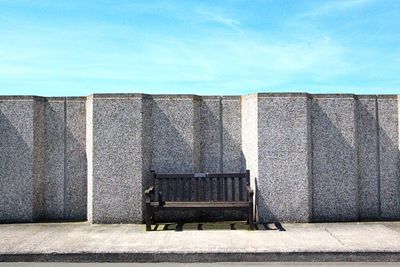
x: 167, y: 190
x: 190, y: 190
x: 226, y: 188
x: 219, y: 189
x: 240, y: 188
x: 175, y: 193
x: 196, y: 184
x: 233, y: 188
x: 211, y: 189
x: 182, y: 182
x: 160, y: 189
x: 205, y: 187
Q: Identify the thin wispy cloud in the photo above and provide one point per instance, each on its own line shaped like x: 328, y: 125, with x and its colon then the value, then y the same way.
x: 336, y: 6
x: 220, y: 19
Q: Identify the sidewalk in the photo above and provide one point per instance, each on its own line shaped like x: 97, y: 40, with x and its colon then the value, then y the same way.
x: 369, y: 241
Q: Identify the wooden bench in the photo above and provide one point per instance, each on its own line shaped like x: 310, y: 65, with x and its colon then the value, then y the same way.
x: 206, y: 191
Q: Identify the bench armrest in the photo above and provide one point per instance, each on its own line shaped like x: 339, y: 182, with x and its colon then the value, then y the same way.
x: 148, y: 193
x: 149, y: 190
x: 250, y: 191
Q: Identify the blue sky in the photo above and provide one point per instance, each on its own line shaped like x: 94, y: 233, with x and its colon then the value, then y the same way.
x: 57, y: 48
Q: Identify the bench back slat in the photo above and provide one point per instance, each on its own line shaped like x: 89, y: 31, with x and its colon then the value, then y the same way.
x: 201, y: 186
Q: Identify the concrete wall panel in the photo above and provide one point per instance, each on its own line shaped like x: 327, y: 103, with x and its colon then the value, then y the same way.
x: 211, y: 120
x: 388, y: 118
x: 17, y: 193
x: 232, y: 155
x: 173, y: 134
x: 52, y: 189
x: 116, y: 181
x: 368, y: 157
x: 335, y: 177
x: 75, y: 184
x: 284, y: 177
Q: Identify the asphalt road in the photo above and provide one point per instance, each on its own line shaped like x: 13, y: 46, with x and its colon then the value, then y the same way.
x: 223, y: 264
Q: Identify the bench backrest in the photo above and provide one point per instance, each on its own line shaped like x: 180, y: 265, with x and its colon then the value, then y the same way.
x: 201, y: 186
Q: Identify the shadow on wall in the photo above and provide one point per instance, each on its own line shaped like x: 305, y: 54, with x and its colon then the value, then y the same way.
x: 172, y: 138
x: 368, y: 159
x: 64, y: 184
x: 334, y: 162
x: 16, y: 177
x: 353, y: 178
x: 389, y: 158
x: 44, y: 179
x: 355, y: 163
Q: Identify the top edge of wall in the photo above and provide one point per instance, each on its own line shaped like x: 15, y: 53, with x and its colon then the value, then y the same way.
x: 193, y: 96
x: 118, y: 95
x: 41, y: 98
x: 282, y: 95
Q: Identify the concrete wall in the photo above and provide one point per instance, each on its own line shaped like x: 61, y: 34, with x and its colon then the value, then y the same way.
x: 115, y: 149
x: 335, y: 169
x: 284, y: 174
x: 43, y: 170
x: 312, y: 157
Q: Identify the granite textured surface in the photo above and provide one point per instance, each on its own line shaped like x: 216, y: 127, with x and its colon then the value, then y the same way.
x: 173, y: 134
x: 335, y: 177
x: 232, y: 155
x: 147, y: 107
x: 284, y: 175
x: 39, y: 157
x: 250, y: 135
x: 388, y: 118
x: 368, y: 157
x: 211, y: 134
x: 75, y: 183
x: 54, y: 159
x: 116, y: 181
x: 250, y: 142
x: 89, y: 156
x: 16, y: 160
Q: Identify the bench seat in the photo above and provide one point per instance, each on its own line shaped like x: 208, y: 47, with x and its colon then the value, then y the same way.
x: 207, y: 205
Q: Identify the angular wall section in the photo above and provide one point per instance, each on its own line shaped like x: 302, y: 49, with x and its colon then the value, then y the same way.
x: 211, y: 134
x: 175, y: 147
x: 388, y: 118
x: 284, y: 174
x: 368, y: 157
x: 75, y: 181
x: 334, y: 163
x: 115, y: 181
x: 232, y: 154
x: 52, y: 144
x: 17, y: 180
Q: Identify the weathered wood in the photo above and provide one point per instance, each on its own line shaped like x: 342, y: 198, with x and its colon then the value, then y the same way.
x: 203, y: 204
x: 197, y: 175
x: 207, y: 191
x: 226, y: 188
x: 240, y: 188
x: 233, y: 188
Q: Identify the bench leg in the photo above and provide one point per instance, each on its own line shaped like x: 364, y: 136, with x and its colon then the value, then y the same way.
x: 148, y: 217
x: 251, y: 216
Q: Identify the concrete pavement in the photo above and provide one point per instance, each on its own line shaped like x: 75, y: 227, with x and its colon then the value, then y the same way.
x: 367, y: 241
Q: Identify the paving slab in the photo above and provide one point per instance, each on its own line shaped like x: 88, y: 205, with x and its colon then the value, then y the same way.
x: 225, y: 241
